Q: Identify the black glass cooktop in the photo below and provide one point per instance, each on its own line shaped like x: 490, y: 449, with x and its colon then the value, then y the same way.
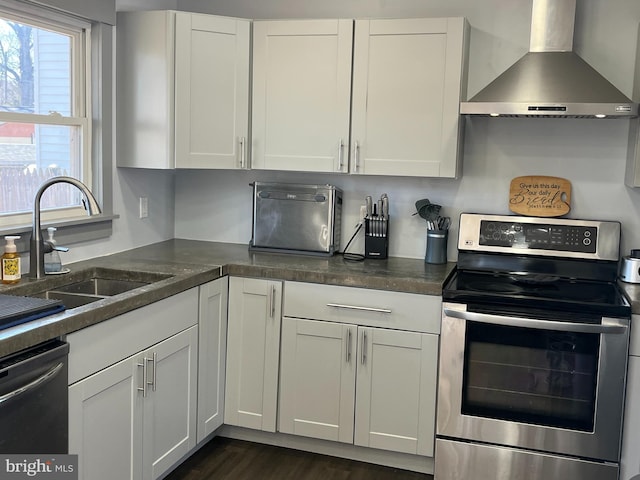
x: 537, y: 291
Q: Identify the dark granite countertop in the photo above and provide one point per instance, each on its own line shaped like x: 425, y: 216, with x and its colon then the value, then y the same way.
x: 189, y: 263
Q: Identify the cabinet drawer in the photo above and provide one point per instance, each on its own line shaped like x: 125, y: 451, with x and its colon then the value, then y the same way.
x: 374, y: 308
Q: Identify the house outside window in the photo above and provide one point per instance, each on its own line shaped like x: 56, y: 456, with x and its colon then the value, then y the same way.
x: 45, y: 120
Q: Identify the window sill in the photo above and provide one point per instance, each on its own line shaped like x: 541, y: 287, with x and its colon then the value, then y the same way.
x: 68, y: 232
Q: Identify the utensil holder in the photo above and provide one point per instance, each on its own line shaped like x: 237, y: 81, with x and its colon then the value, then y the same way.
x: 376, y: 237
x: 436, y: 246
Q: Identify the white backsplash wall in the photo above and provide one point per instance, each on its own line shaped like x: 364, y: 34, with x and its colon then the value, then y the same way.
x: 130, y: 231
x: 591, y: 154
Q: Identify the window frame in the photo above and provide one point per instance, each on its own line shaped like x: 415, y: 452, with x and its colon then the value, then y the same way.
x: 97, y: 149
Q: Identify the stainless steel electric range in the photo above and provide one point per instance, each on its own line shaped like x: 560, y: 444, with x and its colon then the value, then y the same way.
x: 533, y: 359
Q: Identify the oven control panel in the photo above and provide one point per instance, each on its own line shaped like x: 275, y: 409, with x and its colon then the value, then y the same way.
x: 540, y: 236
x: 565, y: 238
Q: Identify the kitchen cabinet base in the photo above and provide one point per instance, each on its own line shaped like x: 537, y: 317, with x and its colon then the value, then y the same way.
x: 415, y: 463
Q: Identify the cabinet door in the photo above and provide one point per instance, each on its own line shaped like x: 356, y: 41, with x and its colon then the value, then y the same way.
x: 105, y: 423
x: 317, y: 379
x: 253, y: 342
x: 301, y: 92
x: 170, y: 404
x: 396, y: 390
x: 211, y: 91
x: 212, y: 352
x: 407, y: 87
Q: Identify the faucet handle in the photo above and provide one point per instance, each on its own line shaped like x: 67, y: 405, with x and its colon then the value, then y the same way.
x: 49, y: 247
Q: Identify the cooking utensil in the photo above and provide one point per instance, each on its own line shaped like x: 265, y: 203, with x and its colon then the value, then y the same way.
x: 427, y: 210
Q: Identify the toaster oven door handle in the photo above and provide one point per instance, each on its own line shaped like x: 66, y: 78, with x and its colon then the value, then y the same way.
x: 612, y: 325
x: 354, y: 307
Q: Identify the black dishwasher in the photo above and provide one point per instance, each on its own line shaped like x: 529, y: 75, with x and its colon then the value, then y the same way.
x: 34, y: 400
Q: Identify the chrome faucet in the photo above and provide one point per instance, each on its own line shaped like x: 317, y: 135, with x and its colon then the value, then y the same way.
x: 37, y: 244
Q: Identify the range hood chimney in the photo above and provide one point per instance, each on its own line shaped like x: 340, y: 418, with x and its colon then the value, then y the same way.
x: 551, y: 80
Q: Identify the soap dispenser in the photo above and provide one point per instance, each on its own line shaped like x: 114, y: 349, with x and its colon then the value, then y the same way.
x: 52, y: 262
x: 10, y: 261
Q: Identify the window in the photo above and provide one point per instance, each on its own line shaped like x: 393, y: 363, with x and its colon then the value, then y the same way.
x: 45, y: 122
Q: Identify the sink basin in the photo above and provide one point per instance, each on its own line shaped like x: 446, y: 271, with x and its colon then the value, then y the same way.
x: 95, y: 284
x: 70, y: 300
x: 105, y: 287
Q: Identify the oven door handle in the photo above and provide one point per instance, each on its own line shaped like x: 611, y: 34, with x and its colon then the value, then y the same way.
x: 612, y: 326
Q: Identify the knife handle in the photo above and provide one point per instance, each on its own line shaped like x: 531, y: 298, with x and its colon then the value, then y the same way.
x: 385, y: 206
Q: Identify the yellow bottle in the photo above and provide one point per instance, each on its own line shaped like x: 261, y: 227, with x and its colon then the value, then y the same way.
x: 10, y: 261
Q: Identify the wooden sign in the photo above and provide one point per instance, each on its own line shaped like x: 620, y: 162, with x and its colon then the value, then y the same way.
x: 540, y: 196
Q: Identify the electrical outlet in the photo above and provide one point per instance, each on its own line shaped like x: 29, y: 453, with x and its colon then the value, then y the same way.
x: 144, y: 207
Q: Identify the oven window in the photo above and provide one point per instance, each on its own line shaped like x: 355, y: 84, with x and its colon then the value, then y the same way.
x: 541, y: 377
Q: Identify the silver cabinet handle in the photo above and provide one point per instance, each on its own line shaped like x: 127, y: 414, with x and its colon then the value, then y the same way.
x: 355, y: 307
x: 143, y: 389
x: 349, y: 346
x: 356, y: 156
x: 340, y: 149
x: 363, y: 356
x: 33, y: 384
x: 148, y: 361
x: 612, y: 325
x: 272, y: 302
x: 154, y: 378
x: 243, y: 152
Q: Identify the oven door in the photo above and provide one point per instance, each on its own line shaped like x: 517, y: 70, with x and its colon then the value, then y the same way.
x: 541, y: 384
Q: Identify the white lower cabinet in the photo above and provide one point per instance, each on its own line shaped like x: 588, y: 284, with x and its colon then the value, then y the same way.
x: 132, y: 409
x: 395, y: 390
x: 354, y: 380
x: 140, y: 411
x: 212, y: 353
x: 317, y: 381
x: 105, y: 423
x: 253, y: 340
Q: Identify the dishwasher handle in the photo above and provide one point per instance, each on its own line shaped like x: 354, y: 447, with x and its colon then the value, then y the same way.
x: 613, y: 326
x: 33, y: 384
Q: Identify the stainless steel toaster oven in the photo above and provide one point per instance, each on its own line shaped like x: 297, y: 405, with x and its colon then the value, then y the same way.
x: 294, y: 218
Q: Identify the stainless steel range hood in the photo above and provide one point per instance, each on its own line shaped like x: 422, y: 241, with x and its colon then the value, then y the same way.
x: 551, y: 80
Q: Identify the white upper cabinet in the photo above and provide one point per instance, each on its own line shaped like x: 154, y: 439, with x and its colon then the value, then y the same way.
x: 301, y: 92
x: 408, y: 80
x: 182, y: 90
x: 407, y: 88
x: 212, y: 92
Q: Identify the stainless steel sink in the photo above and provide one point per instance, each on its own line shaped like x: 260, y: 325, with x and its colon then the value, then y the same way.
x: 92, y: 285
x: 104, y: 287
x: 70, y: 300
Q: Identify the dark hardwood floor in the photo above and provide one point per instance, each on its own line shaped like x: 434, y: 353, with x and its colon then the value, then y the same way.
x: 228, y: 459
